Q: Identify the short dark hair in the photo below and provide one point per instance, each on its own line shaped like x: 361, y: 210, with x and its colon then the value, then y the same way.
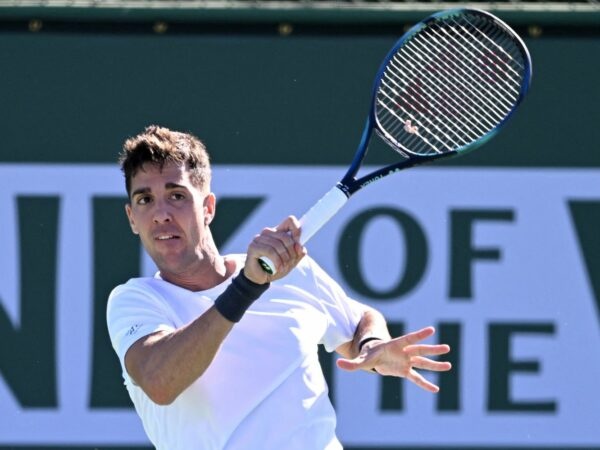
x: 160, y: 145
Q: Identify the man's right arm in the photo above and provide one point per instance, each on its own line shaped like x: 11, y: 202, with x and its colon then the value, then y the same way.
x: 165, y: 363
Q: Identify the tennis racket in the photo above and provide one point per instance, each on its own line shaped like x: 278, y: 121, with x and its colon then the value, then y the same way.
x: 445, y: 88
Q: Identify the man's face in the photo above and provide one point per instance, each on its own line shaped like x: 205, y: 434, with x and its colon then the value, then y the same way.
x: 171, y: 215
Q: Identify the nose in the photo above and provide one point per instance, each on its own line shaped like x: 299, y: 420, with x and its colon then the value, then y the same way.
x: 161, y: 213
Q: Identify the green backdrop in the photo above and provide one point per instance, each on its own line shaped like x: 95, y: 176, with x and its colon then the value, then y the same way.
x: 255, y: 97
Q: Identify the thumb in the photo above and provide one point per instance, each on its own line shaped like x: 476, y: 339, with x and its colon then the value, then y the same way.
x: 352, y: 364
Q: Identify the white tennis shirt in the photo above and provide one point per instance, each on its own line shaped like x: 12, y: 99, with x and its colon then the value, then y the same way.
x: 265, y: 389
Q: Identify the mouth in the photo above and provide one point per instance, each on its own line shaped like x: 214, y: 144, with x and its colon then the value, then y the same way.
x: 166, y: 237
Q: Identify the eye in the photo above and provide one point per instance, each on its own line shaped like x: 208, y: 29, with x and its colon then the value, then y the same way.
x: 143, y: 200
x: 177, y: 196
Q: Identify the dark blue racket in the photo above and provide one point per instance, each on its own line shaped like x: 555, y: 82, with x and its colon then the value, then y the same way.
x: 445, y: 88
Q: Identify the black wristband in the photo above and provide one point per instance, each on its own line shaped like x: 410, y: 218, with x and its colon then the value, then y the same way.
x: 237, y: 298
x: 364, y: 341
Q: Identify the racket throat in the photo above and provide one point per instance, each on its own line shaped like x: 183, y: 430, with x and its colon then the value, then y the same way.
x: 344, y: 189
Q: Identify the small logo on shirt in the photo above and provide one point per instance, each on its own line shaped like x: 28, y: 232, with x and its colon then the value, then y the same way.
x: 133, y: 330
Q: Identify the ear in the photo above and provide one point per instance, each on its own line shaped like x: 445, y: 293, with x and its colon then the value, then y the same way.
x: 130, y: 217
x: 210, y: 206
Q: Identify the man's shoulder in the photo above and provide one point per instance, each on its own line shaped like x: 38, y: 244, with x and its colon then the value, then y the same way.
x: 138, y: 283
x: 138, y: 286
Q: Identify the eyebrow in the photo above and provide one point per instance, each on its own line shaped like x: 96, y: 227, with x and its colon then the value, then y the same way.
x: 147, y: 190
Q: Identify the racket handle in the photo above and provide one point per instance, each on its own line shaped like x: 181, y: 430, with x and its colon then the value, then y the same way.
x: 321, y: 212
x: 313, y: 220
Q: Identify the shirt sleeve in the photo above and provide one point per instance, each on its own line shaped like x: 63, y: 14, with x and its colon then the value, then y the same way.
x: 134, y: 311
x: 342, y: 312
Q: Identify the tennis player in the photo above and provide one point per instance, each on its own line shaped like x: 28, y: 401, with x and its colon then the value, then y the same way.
x: 216, y: 353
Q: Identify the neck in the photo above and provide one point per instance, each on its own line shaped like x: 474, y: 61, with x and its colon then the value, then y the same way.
x: 205, y: 277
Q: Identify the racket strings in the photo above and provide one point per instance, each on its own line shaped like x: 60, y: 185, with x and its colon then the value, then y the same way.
x: 416, y: 137
x: 421, y: 100
x: 460, y: 107
x: 469, y: 46
x: 449, y: 85
x: 395, y: 123
x: 486, y: 43
x: 453, y: 105
x: 500, y: 40
x: 465, y: 75
x: 417, y: 99
x: 466, y: 83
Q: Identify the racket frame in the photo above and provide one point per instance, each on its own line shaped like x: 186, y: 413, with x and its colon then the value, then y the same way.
x: 349, y: 184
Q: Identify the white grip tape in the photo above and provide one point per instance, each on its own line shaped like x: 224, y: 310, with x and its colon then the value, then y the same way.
x: 313, y: 220
x: 321, y: 212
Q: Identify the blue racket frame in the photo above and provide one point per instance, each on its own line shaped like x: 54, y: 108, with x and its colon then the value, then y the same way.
x: 349, y: 184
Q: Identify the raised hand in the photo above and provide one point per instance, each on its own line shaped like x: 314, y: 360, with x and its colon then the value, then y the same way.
x: 401, y: 357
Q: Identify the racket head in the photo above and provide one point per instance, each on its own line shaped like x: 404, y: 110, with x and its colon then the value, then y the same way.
x: 449, y: 84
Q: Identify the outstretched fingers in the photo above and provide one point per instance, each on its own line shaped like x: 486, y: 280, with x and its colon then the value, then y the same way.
x: 419, y: 362
x: 417, y: 336
x: 427, y: 350
x: 421, y: 381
